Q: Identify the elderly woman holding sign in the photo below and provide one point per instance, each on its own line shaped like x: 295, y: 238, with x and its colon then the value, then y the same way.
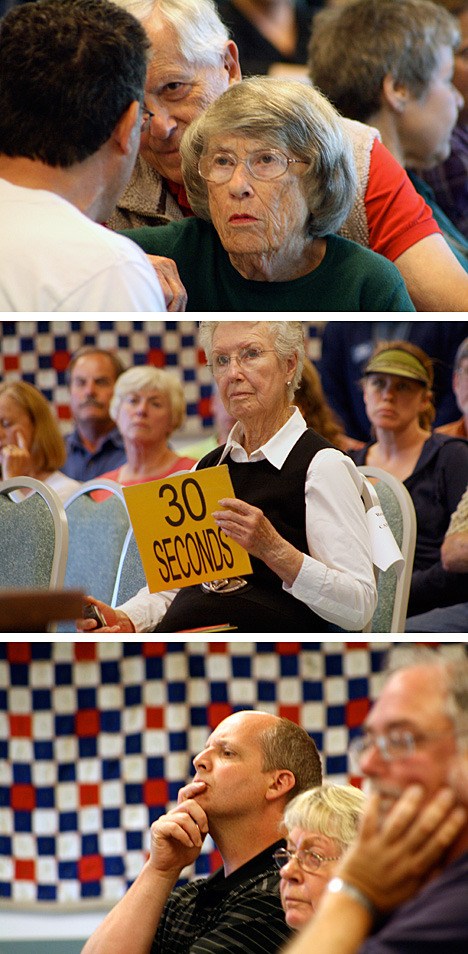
x: 297, y: 508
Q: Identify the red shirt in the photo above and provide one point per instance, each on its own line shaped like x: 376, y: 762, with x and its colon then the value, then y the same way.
x: 397, y: 215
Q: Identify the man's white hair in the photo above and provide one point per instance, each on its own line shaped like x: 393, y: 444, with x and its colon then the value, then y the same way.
x: 202, y: 35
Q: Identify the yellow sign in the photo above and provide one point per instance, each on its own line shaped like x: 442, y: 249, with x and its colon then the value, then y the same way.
x: 179, y: 542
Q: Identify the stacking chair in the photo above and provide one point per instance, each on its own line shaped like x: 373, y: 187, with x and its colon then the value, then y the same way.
x: 393, y: 589
x: 130, y: 575
x: 97, y: 531
x: 33, y: 536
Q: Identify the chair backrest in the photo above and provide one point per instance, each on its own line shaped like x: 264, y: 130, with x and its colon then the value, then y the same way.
x: 393, y: 588
x: 33, y: 536
x: 98, y: 531
x: 130, y: 575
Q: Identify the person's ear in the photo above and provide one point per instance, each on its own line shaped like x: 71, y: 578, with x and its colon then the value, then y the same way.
x: 291, y: 365
x: 395, y: 94
x: 281, y: 783
x: 128, y: 127
x: 231, y: 62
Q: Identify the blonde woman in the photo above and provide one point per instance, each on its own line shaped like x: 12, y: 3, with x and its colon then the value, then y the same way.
x: 148, y: 405
x: 319, y: 825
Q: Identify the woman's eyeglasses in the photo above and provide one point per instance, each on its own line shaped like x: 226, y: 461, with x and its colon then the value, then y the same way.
x: 307, y: 859
x: 263, y: 164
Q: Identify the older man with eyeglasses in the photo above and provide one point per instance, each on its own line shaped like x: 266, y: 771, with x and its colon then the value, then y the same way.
x: 413, y: 745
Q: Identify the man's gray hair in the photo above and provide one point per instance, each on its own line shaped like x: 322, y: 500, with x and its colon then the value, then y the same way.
x: 454, y: 672
x: 286, y: 115
x: 202, y: 35
x: 287, y: 338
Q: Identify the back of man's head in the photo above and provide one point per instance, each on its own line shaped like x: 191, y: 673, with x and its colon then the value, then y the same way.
x: 286, y: 745
x: 353, y: 48
x: 68, y: 71
x: 201, y: 35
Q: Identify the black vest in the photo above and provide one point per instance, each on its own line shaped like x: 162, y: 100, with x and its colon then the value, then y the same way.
x: 263, y: 606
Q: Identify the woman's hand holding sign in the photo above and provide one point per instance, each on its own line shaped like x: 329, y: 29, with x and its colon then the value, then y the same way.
x: 248, y: 526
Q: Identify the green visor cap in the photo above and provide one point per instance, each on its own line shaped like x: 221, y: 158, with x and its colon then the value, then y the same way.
x: 398, y: 362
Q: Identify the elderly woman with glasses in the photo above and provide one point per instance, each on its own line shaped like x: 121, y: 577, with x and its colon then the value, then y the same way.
x: 319, y: 824
x: 297, y: 508
x: 270, y: 175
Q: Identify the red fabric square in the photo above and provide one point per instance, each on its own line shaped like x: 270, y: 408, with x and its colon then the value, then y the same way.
x: 205, y: 407
x: 218, y: 711
x: 85, y: 652
x: 290, y: 712
x: 87, y: 722
x: 288, y: 649
x: 61, y: 360
x: 25, y: 869
x: 11, y: 362
x: 154, y: 717
x: 20, y: 726
x: 22, y: 797
x: 64, y: 412
x: 154, y: 649
x: 214, y: 648
x: 155, y: 792
x: 19, y: 652
x: 356, y: 711
x: 90, y: 868
x: 215, y: 860
x: 156, y: 357
x: 89, y: 794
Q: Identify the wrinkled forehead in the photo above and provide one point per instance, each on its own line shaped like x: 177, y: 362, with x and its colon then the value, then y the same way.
x: 414, y: 697
x: 237, y: 334
x: 170, y: 50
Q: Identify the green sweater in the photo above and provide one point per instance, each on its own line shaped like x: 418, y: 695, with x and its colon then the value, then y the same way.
x: 350, y: 277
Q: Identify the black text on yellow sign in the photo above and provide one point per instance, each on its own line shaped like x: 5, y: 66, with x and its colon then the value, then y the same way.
x: 178, y: 540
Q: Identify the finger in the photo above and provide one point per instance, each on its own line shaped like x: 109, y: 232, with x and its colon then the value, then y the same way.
x: 403, y: 813
x: 86, y: 625
x: 191, y: 809
x: 190, y: 790
x: 437, y: 843
x: 238, y: 506
x: 182, y: 827
x: 20, y: 439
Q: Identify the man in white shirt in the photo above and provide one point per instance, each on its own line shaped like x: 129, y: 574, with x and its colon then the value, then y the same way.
x: 72, y: 77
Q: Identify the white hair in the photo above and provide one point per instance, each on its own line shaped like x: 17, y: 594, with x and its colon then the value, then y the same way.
x: 149, y: 378
x: 287, y: 338
x: 202, y: 36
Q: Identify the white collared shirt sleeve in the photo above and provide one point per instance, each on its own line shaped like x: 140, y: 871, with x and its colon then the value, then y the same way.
x: 146, y: 609
x: 337, y: 580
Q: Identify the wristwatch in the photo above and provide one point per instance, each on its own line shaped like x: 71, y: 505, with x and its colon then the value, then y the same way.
x: 338, y: 886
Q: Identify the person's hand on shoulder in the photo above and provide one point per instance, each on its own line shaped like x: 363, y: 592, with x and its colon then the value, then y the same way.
x: 173, y: 290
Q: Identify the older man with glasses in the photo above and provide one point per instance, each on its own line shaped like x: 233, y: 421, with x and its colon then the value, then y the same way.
x: 412, y: 747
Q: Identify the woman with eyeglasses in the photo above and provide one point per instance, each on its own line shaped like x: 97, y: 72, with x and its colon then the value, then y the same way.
x: 397, y: 387
x: 269, y: 173
x: 319, y: 825
x: 297, y: 508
